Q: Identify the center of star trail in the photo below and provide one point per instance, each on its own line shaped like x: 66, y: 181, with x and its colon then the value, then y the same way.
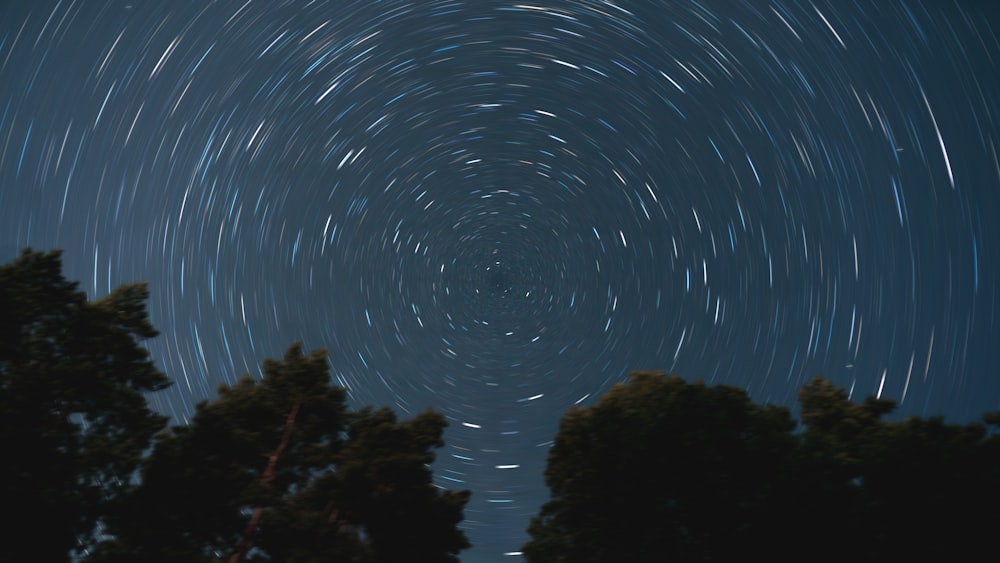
x: 498, y: 209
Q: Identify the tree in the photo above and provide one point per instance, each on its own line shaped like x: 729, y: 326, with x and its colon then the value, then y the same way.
x: 278, y: 469
x: 380, y: 497
x: 660, y: 470
x: 912, y: 489
x: 829, y: 467
x: 73, y: 419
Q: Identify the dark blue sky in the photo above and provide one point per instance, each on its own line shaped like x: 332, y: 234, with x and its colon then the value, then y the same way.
x: 497, y: 209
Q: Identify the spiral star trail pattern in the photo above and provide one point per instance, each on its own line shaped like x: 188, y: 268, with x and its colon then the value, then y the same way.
x: 497, y: 209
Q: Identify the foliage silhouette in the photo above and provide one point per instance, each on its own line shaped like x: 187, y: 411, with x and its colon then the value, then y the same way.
x: 73, y: 419
x: 663, y: 470
x: 276, y: 469
x: 279, y: 470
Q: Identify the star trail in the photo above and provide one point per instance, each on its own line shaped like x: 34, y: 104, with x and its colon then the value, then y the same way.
x: 497, y: 209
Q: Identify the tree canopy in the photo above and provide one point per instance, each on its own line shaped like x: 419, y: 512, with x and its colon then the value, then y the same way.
x: 279, y: 470
x: 73, y: 419
x: 273, y: 469
x: 663, y: 470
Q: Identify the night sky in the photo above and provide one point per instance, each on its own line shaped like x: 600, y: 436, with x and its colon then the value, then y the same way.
x: 497, y: 209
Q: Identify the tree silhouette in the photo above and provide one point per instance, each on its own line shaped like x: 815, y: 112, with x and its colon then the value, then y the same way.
x: 278, y: 469
x: 379, y: 500
x: 662, y: 470
x: 73, y: 419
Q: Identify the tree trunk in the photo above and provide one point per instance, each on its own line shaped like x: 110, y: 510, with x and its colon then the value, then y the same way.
x: 265, y: 481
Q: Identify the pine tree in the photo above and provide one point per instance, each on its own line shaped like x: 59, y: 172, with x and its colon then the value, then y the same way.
x: 279, y: 469
x: 73, y: 419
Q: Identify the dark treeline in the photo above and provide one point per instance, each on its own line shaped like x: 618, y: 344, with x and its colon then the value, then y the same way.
x: 279, y: 469
x: 276, y: 469
x: 663, y: 470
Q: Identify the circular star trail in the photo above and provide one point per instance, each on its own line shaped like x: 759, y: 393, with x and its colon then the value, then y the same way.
x: 497, y: 209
